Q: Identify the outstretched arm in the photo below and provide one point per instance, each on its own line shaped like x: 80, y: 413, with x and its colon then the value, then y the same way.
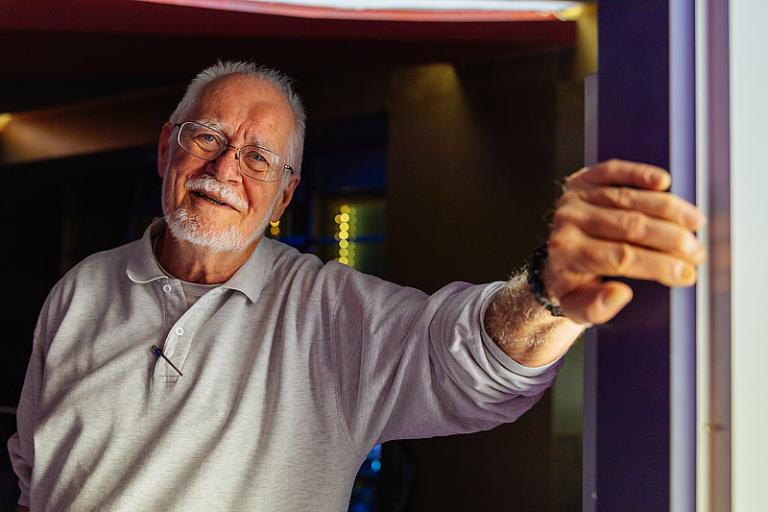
x: 613, y: 219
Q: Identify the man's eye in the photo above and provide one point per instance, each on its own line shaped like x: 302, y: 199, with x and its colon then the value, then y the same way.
x: 208, y: 138
x: 255, y: 159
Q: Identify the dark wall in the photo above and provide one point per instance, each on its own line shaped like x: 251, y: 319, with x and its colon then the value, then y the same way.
x: 473, y: 172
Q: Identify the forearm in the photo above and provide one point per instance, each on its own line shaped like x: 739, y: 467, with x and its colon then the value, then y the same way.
x: 526, y: 331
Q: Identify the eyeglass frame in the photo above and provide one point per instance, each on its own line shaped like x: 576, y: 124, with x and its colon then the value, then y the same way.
x: 237, y: 150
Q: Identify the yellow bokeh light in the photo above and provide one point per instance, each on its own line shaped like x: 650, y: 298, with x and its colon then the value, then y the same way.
x: 4, y: 120
x: 337, y: 219
x: 343, y: 244
x: 343, y: 235
x: 274, y: 230
x: 344, y: 208
x: 343, y: 252
x: 344, y: 226
x: 274, y: 223
x: 344, y: 217
x: 344, y: 260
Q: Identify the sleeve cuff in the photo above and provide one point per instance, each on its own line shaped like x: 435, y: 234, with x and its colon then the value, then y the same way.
x: 495, y: 352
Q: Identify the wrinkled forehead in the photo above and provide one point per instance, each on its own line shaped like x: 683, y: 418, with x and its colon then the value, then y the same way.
x: 244, y: 106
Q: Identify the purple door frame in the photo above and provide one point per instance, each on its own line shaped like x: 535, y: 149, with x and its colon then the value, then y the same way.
x: 643, y: 362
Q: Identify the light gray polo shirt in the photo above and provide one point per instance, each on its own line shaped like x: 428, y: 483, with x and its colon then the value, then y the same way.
x: 292, y: 371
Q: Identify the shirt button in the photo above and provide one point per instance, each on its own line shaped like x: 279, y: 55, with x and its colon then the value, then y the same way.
x: 167, y: 288
x: 179, y: 331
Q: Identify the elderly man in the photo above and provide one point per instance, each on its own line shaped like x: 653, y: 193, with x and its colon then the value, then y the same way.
x: 205, y: 367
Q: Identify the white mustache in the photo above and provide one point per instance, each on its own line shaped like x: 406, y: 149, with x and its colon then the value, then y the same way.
x: 218, y: 190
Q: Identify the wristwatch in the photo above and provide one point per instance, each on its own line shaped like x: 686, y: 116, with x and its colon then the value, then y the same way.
x: 536, y: 284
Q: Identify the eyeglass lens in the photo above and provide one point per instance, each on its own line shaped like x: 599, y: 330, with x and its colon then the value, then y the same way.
x: 208, y: 144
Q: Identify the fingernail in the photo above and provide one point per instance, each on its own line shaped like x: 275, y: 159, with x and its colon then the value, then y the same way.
x: 684, y: 272
x: 692, y: 245
x: 664, y: 180
x: 695, y: 217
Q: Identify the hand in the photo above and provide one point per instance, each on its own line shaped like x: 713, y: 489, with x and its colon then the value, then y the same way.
x: 614, y: 219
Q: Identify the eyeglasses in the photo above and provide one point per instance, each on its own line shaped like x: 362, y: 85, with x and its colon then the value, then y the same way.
x: 254, y: 161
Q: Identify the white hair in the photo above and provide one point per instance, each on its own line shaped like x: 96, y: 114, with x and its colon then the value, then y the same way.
x: 281, y: 81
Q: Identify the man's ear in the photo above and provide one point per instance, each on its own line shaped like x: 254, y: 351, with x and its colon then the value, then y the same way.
x: 285, y: 200
x: 164, y: 148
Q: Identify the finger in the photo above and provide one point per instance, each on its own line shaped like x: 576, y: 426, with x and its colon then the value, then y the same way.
x: 572, y: 250
x: 621, y: 173
x: 597, y: 303
x: 661, y: 205
x: 634, y: 227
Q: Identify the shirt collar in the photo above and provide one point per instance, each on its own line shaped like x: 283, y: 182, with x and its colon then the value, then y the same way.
x: 143, y: 266
x: 249, y: 279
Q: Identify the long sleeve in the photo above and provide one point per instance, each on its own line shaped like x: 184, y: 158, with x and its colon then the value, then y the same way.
x: 20, y: 446
x: 411, y: 365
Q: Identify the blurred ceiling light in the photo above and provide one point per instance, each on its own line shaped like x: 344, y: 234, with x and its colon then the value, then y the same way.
x: 571, y: 13
x: 550, y: 6
x: 4, y: 120
x: 395, y: 10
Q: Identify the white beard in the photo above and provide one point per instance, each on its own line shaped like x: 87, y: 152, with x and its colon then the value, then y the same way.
x: 200, y: 231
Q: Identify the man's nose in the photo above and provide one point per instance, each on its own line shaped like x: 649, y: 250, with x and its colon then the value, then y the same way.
x: 226, y: 166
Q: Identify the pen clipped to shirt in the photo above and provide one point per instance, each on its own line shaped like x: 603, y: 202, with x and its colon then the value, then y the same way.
x: 159, y: 353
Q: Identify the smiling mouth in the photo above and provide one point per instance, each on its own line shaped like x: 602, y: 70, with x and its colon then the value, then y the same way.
x: 210, y: 199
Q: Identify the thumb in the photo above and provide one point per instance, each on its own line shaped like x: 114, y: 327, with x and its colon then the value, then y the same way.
x: 596, y: 303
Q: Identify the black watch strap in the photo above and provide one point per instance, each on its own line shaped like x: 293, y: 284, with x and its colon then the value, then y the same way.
x: 535, y: 283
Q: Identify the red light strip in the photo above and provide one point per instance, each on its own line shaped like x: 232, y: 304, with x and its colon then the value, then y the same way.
x: 303, y: 11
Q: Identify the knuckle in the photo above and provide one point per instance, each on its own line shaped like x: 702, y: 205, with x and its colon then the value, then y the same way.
x: 568, y: 196
x: 561, y: 245
x: 612, y: 166
x: 576, y: 174
x: 557, y: 243
x: 671, y: 208
x: 634, y: 225
x: 625, y: 197
x: 561, y: 217
x: 621, y: 258
x: 649, y: 175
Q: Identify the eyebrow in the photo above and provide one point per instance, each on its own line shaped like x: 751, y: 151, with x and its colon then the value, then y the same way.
x: 222, y: 126
x: 213, y: 123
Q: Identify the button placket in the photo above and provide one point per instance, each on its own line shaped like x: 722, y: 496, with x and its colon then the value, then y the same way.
x: 182, y: 331
x: 174, y: 307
